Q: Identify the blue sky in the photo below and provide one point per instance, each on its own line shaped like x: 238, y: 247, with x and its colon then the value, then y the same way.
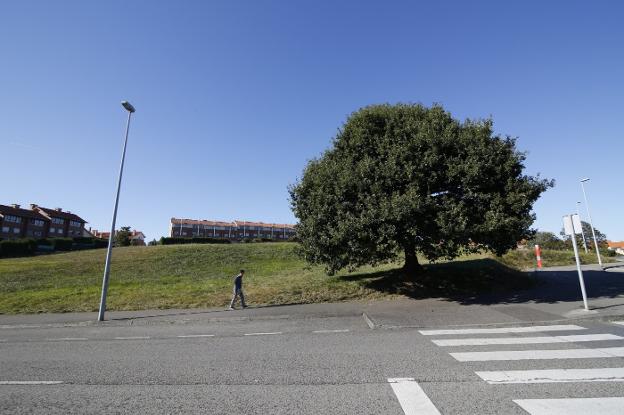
x: 234, y: 97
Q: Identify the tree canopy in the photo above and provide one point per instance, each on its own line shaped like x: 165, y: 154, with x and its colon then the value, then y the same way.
x: 122, y: 237
x: 601, y: 238
x: 401, y: 179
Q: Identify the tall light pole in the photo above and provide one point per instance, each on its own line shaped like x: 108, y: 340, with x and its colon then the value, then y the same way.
x: 582, y: 232
x: 590, y: 221
x: 109, y: 252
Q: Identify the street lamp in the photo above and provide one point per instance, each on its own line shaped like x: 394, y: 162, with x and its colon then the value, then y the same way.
x: 590, y: 221
x: 109, y: 252
x: 582, y: 232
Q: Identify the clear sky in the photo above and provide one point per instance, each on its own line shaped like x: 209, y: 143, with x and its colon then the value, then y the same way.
x: 234, y: 97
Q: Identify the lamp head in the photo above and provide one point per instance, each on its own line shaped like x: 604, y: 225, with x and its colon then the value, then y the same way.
x: 585, y: 179
x: 128, y: 106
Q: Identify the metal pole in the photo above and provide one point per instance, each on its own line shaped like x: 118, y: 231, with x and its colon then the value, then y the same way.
x: 582, y: 232
x: 578, y: 268
x: 109, y: 252
x: 591, y: 223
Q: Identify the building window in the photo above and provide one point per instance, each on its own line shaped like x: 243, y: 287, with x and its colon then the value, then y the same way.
x: 14, y: 219
x: 74, y: 223
x: 58, y: 221
x: 36, y: 222
x: 16, y: 230
x: 59, y: 230
x: 5, y: 229
x: 37, y: 233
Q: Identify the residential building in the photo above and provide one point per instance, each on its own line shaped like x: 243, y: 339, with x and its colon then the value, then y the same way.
x: 38, y: 222
x: 137, y: 238
x: 16, y: 222
x: 618, y: 247
x: 62, y: 223
x: 235, y: 230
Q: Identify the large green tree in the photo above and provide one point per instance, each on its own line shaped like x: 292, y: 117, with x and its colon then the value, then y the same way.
x: 401, y: 179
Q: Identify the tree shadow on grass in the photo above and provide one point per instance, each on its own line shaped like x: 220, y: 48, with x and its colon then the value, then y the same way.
x: 487, y: 281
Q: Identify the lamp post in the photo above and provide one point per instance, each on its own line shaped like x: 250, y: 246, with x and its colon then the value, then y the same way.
x: 582, y: 232
x: 590, y: 221
x: 109, y: 252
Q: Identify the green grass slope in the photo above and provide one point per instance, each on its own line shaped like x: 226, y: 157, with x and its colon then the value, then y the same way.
x: 189, y: 276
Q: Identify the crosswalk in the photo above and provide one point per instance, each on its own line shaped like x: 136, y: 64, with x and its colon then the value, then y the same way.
x: 533, y: 344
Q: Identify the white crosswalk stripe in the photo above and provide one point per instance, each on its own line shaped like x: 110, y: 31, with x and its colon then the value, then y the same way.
x: 413, y: 400
x: 529, y: 329
x: 605, y: 352
x: 573, y: 406
x: 568, y: 406
x: 526, y: 340
x: 608, y: 374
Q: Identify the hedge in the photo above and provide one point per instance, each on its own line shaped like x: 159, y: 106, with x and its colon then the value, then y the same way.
x: 178, y: 241
x: 29, y: 246
x: 18, y: 247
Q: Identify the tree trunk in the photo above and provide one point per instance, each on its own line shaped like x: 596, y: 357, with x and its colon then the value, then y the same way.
x: 411, y: 266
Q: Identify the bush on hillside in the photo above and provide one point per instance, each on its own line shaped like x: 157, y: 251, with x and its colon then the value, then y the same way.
x: 18, y: 247
x: 178, y: 241
x: 62, y: 244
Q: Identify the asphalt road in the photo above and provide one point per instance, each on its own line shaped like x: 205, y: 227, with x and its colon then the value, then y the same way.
x: 310, y: 365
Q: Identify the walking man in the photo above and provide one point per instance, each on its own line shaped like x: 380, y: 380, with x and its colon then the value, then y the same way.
x: 238, y: 290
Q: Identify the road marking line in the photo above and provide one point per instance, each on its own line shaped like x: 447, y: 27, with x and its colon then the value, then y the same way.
x: 67, y: 339
x: 572, y: 406
x: 368, y: 321
x: 19, y: 326
x: 531, y: 329
x: 132, y: 338
x: 412, y: 398
x: 198, y: 335
x: 262, y: 334
x: 608, y: 374
x: 331, y: 331
x: 30, y: 382
x: 539, y: 354
x: 526, y: 340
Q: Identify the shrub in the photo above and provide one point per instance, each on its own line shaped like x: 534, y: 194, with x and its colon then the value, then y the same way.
x: 18, y: 247
x: 62, y: 244
x: 178, y: 241
x: 83, y: 240
x: 100, y: 243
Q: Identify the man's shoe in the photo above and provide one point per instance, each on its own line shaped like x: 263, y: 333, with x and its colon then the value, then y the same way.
x: 232, y: 308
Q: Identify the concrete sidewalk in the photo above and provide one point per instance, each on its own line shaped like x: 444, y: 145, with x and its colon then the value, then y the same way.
x: 556, y: 297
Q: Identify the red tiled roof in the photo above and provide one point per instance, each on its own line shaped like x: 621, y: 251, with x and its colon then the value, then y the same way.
x: 264, y: 225
x: 177, y: 221
x: 236, y: 223
x: 25, y: 213
x: 53, y: 213
x: 613, y: 244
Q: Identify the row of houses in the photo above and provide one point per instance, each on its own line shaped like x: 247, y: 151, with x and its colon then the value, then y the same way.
x: 39, y: 222
x: 137, y: 238
x: 235, y: 230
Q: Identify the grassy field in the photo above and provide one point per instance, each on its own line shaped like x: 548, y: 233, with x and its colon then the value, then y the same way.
x: 188, y: 276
